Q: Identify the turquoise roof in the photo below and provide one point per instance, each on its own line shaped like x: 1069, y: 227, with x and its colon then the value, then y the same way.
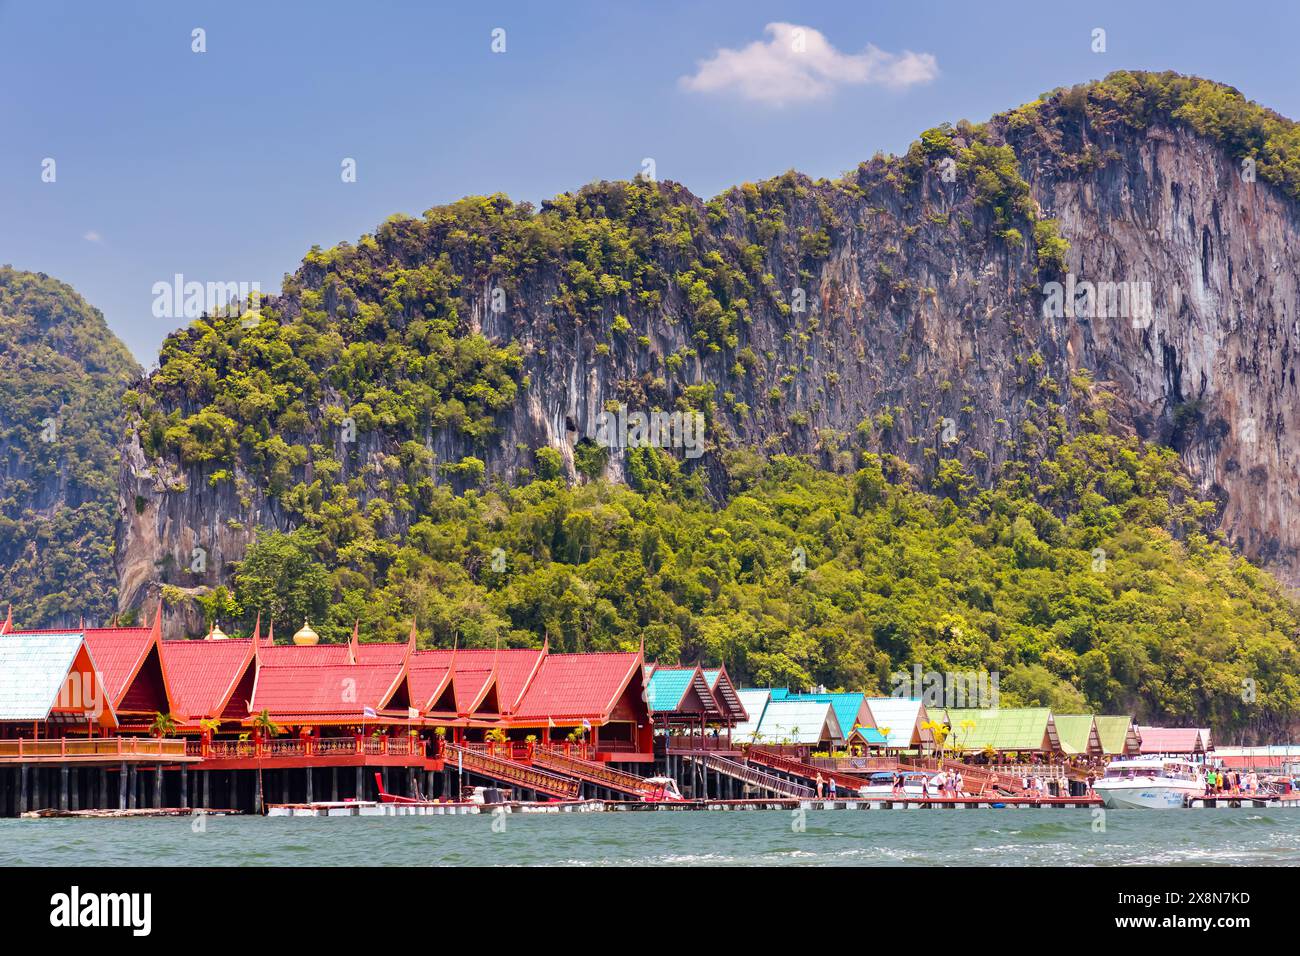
x: 712, y: 675
x: 871, y: 735
x: 846, y: 706
x: 667, y: 688
x: 780, y: 693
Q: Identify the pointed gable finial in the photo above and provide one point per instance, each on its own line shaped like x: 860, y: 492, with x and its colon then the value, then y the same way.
x: 270, y: 634
x: 354, y: 642
x: 257, y: 628
x: 8, y: 623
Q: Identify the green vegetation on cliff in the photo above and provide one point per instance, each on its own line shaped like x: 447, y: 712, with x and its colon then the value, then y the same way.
x: 62, y: 373
x: 1086, y: 585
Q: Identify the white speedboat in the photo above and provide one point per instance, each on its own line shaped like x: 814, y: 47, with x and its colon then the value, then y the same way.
x: 881, y: 784
x: 1149, y: 783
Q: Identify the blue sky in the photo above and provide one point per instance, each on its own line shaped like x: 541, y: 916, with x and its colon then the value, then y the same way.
x: 225, y: 165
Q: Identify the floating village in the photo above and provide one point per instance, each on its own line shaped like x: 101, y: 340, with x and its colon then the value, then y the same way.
x: 118, y: 721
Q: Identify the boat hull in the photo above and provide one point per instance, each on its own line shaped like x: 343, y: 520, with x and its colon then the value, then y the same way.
x: 1152, y: 796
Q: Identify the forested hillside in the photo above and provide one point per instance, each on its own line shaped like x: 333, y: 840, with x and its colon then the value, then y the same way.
x: 62, y: 375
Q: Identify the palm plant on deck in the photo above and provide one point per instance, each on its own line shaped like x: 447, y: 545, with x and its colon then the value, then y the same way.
x: 163, y: 724
x: 268, y: 728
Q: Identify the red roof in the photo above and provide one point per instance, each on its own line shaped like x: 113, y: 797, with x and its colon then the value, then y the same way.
x: 515, y: 667
x: 472, y: 674
x: 578, y: 686
x: 304, y: 655
x: 1171, y: 740
x: 381, y: 653
x: 428, y: 680
x: 325, y: 690
x: 203, y: 674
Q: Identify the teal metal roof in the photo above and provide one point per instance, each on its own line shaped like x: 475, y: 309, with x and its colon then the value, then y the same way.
x: 32, y: 671
x: 871, y: 735
x: 668, y: 685
x: 847, y: 706
x: 800, y: 722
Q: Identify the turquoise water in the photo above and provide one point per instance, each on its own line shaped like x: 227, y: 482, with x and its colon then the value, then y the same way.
x: 1008, y: 837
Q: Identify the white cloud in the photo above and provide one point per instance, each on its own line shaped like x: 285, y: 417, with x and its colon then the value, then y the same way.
x: 93, y: 236
x: 798, y: 64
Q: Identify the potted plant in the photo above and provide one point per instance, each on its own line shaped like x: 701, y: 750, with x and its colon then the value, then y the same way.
x: 163, y: 725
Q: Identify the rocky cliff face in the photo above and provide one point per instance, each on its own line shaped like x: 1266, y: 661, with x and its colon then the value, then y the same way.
x: 907, y: 309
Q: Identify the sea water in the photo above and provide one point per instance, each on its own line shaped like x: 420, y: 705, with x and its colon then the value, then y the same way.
x: 992, y: 837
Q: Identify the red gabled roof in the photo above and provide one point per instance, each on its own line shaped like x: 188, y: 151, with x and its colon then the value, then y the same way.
x: 578, y: 686
x: 515, y: 668
x: 304, y: 655
x: 473, y: 676
x: 1170, y: 740
x: 204, y: 674
x: 429, y: 680
x: 377, y: 653
x: 326, y: 690
x: 382, y: 652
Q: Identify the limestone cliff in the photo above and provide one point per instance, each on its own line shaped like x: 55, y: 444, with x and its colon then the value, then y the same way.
x: 908, y: 308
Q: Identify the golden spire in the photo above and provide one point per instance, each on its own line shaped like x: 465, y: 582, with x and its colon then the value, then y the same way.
x: 306, y: 635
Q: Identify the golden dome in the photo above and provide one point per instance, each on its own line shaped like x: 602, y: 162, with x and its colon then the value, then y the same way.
x: 216, y: 634
x: 306, y: 635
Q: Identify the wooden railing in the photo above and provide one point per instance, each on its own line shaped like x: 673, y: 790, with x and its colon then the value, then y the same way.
x: 693, y: 743
x: 508, y: 771
x: 24, y: 749
x: 798, y: 768
x: 861, y: 765
x: 597, y: 773
x: 307, y: 747
x: 520, y: 751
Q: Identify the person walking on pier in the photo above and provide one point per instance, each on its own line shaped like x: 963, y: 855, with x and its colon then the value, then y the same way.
x: 821, y: 784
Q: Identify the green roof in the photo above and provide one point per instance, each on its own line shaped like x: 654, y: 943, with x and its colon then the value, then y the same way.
x: 1075, y: 731
x: 1113, y: 731
x: 1006, y: 728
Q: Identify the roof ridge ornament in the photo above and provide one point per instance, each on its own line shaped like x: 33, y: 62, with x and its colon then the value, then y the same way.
x: 306, y: 637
